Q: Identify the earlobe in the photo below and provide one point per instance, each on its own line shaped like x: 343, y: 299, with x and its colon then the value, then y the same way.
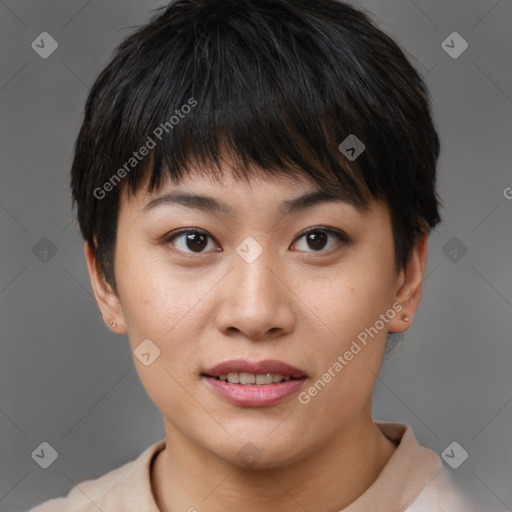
x: 106, y: 299
x: 410, y: 285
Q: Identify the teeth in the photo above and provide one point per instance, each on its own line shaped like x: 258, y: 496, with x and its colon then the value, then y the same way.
x: 247, y: 378
x: 233, y: 378
x: 265, y: 379
x: 250, y: 378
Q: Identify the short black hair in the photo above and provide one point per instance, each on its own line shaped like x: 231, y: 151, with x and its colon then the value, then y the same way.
x: 277, y: 85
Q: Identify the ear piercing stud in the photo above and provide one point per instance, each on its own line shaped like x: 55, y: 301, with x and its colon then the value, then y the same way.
x: 405, y: 318
x: 113, y: 324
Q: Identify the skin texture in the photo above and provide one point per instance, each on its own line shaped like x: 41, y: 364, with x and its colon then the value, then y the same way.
x: 297, y: 302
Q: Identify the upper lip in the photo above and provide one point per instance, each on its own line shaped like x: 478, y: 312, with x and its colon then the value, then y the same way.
x: 256, y: 368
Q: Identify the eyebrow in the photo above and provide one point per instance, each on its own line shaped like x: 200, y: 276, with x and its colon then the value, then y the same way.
x: 213, y: 205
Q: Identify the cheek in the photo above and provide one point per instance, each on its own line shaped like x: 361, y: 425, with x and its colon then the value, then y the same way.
x: 346, y: 367
x: 348, y: 305
x: 164, y: 304
x: 351, y: 298
x: 144, y: 283
x: 163, y: 307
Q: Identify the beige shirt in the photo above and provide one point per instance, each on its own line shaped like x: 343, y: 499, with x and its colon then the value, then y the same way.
x: 413, y: 480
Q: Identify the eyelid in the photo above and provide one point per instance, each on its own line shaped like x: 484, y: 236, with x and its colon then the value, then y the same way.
x: 185, y: 231
x: 339, y: 233
x: 182, y: 231
x: 341, y: 236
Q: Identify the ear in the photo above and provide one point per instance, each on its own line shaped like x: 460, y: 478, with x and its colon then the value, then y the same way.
x: 107, y: 300
x: 410, y: 285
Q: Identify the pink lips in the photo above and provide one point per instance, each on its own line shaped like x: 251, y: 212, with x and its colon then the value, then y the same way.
x: 261, y: 367
x: 255, y: 395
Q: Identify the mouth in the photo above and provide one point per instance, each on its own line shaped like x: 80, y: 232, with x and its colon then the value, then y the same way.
x: 254, y: 384
x: 245, y: 379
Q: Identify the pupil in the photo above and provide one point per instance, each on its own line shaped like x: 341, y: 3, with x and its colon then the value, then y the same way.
x: 193, y: 243
x: 316, y: 240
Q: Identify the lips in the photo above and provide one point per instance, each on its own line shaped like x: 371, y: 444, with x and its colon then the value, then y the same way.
x: 254, y: 384
x: 255, y: 368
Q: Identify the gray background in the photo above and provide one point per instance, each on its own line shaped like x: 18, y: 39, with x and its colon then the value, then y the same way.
x: 66, y: 379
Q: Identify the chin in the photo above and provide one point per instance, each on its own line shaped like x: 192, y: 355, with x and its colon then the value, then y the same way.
x: 259, y: 450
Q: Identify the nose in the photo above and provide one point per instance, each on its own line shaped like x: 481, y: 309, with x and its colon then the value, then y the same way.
x: 256, y: 300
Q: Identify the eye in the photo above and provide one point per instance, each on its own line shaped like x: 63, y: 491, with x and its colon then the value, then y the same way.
x: 317, y: 238
x: 192, y: 240
x: 189, y: 240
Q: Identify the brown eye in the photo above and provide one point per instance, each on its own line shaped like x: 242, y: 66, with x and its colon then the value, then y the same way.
x: 190, y: 240
x: 196, y: 241
x: 316, y: 239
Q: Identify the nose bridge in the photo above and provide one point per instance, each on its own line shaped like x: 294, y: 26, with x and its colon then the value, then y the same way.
x: 256, y: 301
x: 252, y: 271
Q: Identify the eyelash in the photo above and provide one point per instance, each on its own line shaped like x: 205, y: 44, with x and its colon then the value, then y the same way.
x: 340, y: 235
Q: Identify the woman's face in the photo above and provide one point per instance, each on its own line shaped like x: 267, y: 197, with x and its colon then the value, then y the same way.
x: 250, y: 289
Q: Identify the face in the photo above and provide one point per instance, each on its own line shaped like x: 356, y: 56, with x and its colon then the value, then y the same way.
x: 258, y: 291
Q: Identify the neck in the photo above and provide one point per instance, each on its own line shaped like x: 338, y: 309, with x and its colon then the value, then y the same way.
x: 185, y: 477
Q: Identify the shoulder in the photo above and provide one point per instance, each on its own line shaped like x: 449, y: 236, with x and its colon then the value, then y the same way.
x: 442, y: 494
x: 90, y: 495
x: 108, y: 491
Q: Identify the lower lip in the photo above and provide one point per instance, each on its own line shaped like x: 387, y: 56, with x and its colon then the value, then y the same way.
x: 254, y: 395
